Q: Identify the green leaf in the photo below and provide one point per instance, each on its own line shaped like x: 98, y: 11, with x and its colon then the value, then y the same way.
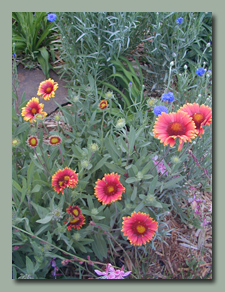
x: 36, y: 189
x: 16, y: 186
x: 29, y: 266
x: 153, y: 185
x: 148, y: 166
x: 134, y: 194
x: 45, y: 220
x: 99, y: 164
x: 139, y: 207
x: 115, y: 168
x: 42, y: 212
x: 22, y: 128
x: 132, y: 137
x: 172, y: 182
x: 30, y: 172
x: 99, y: 246
x: 131, y: 180
x: 111, y: 147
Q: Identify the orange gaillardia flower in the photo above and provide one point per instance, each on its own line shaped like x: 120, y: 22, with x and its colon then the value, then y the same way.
x: 32, y: 141
x: 170, y: 126
x: 64, y: 178
x: 32, y: 108
x: 47, y: 89
x: 201, y: 115
x: 103, y: 104
x: 109, y: 188
x: 139, y: 228
x: 55, y: 140
x: 77, y: 219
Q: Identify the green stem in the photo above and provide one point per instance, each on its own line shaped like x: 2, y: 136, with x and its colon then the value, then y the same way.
x: 60, y: 151
x: 102, y: 130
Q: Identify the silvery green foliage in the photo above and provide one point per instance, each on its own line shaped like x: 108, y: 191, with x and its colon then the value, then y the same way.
x: 90, y: 40
x: 182, y: 44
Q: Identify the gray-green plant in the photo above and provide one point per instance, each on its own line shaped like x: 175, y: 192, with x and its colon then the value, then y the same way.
x: 89, y: 41
x: 167, y: 41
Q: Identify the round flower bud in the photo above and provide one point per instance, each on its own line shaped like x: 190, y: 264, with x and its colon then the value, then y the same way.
x: 120, y: 123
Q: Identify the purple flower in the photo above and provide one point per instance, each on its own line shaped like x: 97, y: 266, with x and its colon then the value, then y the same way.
x: 200, y: 71
x: 179, y: 20
x: 51, y: 17
x: 168, y: 97
x: 130, y: 84
x: 158, y: 109
x: 111, y: 273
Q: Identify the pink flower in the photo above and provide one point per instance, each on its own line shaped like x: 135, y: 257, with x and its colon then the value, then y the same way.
x: 160, y: 167
x: 16, y: 247
x: 111, y: 273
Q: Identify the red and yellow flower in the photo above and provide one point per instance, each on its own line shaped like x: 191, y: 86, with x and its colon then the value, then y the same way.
x: 47, y: 89
x: 109, y: 189
x: 77, y: 220
x: 171, y: 126
x: 32, y: 108
x: 201, y: 115
x: 139, y: 228
x: 74, y: 211
x: 103, y: 104
x: 32, y: 141
x: 54, y: 140
x: 64, y: 178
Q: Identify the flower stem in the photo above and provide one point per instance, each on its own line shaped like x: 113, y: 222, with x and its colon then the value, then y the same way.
x: 60, y: 151
x: 102, y: 129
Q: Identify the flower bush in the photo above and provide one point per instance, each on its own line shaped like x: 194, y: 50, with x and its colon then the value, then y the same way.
x: 102, y: 182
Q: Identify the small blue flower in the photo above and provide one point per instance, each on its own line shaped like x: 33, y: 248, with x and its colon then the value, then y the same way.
x: 200, y: 71
x: 14, y: 55
x: 51, y: 17
x: 158, y: 109
x: 130, y: 84
x: 168, y: 97
x: 174, y: 54
x: 179, y: 20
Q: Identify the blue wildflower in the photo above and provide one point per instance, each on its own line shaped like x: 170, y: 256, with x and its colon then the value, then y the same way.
x: 174, y: 54
x: 130, y: 84
x: 200, y: 71
x: 14, y: 55
x: 158, y: 109
x: 179, y: 20
x: 168, y: 97
x: 51, y: 17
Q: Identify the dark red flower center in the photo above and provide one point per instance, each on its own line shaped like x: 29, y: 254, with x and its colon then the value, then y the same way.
x: 55, y: 140
x: 63, y: 181
x: 198, y: 118
x: 139, y: 228
x: 48, y: 89
x: 34, y: 110
x: 176, y: 128
x: 75, y: 212
x: 110, y: 189
x: 33, y: 141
